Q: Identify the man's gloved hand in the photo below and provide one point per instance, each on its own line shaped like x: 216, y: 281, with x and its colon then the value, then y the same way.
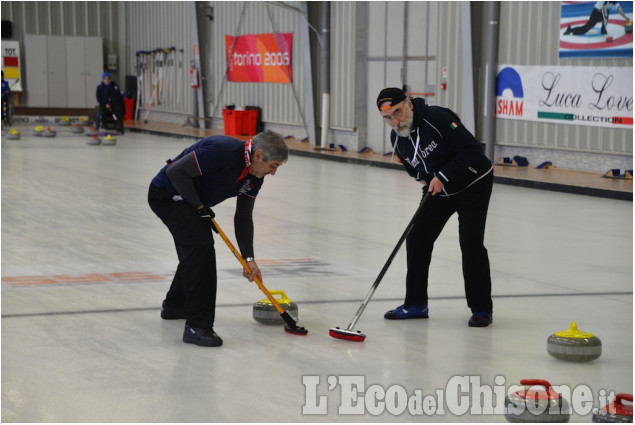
x: 206, y: 214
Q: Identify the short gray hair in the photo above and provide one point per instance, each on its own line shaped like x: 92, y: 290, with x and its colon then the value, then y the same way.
x: 272, y: 146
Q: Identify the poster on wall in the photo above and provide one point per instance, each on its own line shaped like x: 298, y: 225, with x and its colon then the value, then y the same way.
x: 596, y: 29
x: 261, y: 58
x: 11, y: 64
x: 577, y: 95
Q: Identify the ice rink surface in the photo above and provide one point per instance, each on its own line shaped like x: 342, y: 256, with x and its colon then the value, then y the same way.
x: 86, y: 264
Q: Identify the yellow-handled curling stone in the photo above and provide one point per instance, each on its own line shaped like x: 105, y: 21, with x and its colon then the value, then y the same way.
x: 616, y: 411
x: 13, y: 134
x: 539, y: 403
x: 65, y: 121
x: 109, y: 140
x: 38, y: 131
x: 574, y: 345
x: 291, y: 326
x: 265, y: 312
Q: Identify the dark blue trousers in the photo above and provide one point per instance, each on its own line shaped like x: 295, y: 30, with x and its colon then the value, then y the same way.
x: 471, y: 206
x: 194, y: 285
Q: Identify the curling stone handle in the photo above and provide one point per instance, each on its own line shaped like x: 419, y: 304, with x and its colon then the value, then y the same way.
x: 283, y: 297
x: 623, y: 397
x: 532, y: 382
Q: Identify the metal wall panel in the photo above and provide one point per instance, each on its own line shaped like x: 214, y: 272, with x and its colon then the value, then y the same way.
x: 402, y: 48
x: 449, y: 48
x: 78, y: 18
x: 278, y: 103
x: 156, y: 25
x: 517, y: 19
x: 343, y: 69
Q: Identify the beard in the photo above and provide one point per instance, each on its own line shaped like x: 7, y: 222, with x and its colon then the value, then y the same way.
x: 403, y: 128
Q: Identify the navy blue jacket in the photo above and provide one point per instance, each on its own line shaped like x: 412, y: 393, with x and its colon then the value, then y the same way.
x: 444, y: 148
x: 109, y: 95
x: 210, y: 171
x: 221, y: 172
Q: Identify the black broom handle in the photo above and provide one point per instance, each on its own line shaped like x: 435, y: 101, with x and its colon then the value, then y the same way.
x: 385, y: 268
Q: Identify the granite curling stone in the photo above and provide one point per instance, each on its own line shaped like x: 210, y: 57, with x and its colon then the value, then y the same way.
x: 617, y: 411
x: 77, y: 129
x: 64, y: 121
x: 265, y: 312
x: 37, y: 131
x: 92, y: 131
x: 536, y: 404
x: 109, y: 140
x: 574, y: 345
x: 93, y: 140
x: 13, y: 134
x: 49, y: 133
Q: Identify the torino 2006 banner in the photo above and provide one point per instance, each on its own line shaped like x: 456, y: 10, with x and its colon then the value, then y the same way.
x: 264, y: 58
x: 578, y: 95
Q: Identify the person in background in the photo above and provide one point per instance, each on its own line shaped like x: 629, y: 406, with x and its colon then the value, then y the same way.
x: 6, y: 90
x: 110, y: 101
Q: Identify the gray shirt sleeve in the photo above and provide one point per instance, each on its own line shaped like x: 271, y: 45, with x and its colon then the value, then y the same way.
x: 244, y: 225
x: 181, y: 173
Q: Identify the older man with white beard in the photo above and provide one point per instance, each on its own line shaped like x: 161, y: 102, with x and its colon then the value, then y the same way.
x: 438, y: 151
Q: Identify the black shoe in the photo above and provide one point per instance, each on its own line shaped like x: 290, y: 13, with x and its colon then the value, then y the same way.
x: 205, y: 337
x: 169, y: 313
x: 603, y: 31
x: 480, y: 320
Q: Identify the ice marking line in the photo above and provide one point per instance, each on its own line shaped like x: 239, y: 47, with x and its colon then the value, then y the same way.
x: 130, y: 310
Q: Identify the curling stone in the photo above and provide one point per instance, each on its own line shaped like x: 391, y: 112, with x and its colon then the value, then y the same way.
x: 92, y: 131
x: 616, y: 412
x: 65, y: 121
x: 536, y: 404
x: 609, y: 39
x: 109, y: 140
x: 628, y: 27
x: 574, y: 345
x: 77, y: 129
x: 265, y: 312
x: 38, y: 131
x: 49, y: 133
x: 93, y: 140
x: 13, y: 134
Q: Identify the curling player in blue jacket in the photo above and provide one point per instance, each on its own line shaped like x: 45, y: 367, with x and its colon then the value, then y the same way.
x: 438, y: 151
x: 182, y: 195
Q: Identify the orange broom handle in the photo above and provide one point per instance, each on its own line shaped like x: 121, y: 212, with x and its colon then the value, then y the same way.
x: 246, y: 267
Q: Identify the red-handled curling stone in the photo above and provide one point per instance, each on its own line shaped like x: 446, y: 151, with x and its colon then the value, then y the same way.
x: 616, y: 411
x: 539, y: 403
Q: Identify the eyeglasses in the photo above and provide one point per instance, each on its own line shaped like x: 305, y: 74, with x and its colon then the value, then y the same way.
x: 397, y: 115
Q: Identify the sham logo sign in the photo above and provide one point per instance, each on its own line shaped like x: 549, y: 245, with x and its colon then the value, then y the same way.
x: 509, y: 93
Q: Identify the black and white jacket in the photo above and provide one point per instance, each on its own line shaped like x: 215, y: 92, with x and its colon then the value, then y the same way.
x: 444, y: 148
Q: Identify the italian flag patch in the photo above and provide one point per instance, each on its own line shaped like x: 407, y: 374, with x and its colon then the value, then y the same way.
x: 454, y: 125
